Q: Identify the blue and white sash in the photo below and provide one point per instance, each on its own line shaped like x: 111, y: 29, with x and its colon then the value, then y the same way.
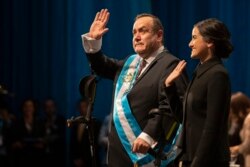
x: 126, y: 125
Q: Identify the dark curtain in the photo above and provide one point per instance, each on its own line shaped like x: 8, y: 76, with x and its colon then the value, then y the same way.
x: 179, y: 16
x: 41, y: 52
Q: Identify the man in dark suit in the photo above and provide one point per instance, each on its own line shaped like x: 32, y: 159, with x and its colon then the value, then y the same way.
x: 138, y: 88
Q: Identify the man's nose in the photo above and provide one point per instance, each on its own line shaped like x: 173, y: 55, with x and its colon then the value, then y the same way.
x: 137, y: 37
x: 190, y: 44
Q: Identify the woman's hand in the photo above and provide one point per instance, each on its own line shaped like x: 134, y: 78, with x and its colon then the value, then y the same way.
x: 175, y: 73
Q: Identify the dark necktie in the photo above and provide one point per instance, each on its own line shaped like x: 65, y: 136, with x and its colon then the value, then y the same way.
x: 142, y: 65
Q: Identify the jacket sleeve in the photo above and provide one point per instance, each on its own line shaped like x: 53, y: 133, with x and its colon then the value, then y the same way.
x: 104, y: 66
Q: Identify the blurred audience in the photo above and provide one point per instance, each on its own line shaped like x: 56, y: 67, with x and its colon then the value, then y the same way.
x: 55, y: 127
x: 6, y: 119
x: 80, y: 139
x: 244, y: 147
x: 27, y: 137
x: 239, y: 108
x: 36, y: 136
x: 103, y: 140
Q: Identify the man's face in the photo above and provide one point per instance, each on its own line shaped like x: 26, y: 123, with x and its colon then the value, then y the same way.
x: 145, y: 40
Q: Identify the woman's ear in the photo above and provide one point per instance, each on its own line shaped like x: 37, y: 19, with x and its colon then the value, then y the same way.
x: 210, y: 44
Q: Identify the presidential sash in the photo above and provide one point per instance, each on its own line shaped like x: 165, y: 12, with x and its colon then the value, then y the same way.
x: 126, y: 125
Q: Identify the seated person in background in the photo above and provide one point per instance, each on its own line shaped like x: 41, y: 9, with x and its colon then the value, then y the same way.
x: 103, y: 138
x: 6, y: 119
x: 80, y: 143
x: 27, y: 137
x: 239, y: 128
x: 55, y: 125
x: 244, y: 147
x: 239, y: 108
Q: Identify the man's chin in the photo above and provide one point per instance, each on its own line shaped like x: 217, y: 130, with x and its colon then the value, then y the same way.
x: 194, y: 56
x: 139, y: 51
x: 142, y: 54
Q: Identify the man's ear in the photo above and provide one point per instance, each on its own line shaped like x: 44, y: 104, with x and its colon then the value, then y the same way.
x: 160, y: 35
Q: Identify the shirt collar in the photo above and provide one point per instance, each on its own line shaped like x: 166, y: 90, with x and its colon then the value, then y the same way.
x: 202, y: 68
x: 154, y: 54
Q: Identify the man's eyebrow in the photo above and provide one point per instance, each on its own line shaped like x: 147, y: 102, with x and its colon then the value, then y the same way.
x: 141, y: 28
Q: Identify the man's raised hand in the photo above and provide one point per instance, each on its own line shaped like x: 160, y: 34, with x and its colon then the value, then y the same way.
x: 98, y: 27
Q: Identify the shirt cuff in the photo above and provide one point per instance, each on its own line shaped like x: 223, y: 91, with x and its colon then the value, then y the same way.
x: 91, y: 45
x: 147, y: 138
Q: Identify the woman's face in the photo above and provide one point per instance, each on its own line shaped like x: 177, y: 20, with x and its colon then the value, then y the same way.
x: 200, y: 48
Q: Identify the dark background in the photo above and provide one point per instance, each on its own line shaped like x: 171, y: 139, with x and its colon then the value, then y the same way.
x: 41, y: 52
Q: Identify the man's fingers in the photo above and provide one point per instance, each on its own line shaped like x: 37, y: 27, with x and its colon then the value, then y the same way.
x: 104, y: 31
x: 103, y: 14
x: 97, y: 16
x: 106, y: 18
x: 100, y: 15
x: 139, y: 148
x: 133, y: 148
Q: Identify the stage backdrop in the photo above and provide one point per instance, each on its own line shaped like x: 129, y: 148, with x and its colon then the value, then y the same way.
x: 41, y: 53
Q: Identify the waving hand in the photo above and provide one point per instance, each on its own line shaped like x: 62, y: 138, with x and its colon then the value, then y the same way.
x: 175, y: 73
x: 98, y: 27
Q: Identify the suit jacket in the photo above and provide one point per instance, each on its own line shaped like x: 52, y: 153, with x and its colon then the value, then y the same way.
x: 146, y: 94
x: 204, y: 139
